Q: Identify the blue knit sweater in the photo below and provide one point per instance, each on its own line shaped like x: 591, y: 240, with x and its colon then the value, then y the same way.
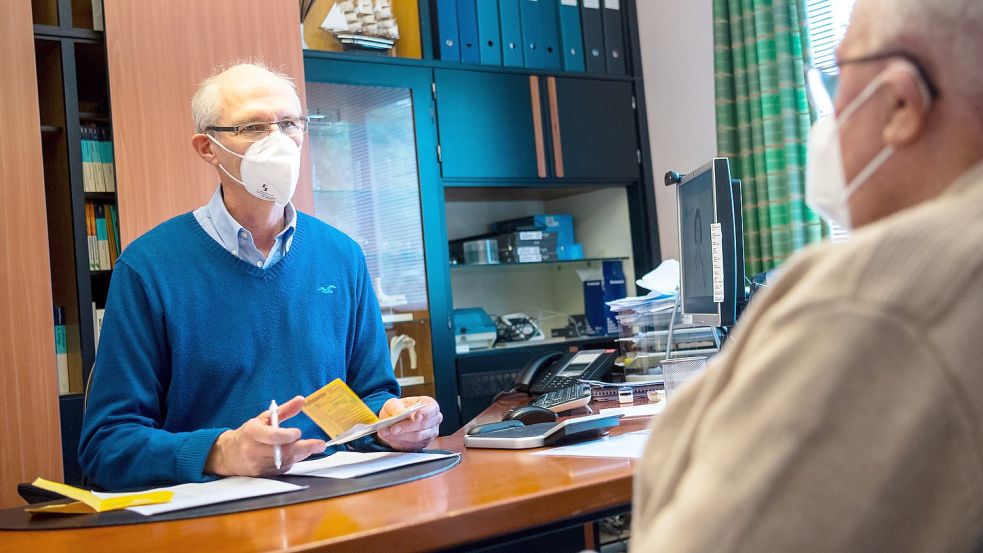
x: 196, y: 341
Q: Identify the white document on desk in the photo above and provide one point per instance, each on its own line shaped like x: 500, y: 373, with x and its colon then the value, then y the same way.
x: 350, y: 464
x: 187, y: 496
x: 630, y: 445
x: 647, y: 410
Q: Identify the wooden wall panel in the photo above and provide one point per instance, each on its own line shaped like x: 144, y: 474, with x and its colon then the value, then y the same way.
x: 30, y: 437
x: 159, y: 50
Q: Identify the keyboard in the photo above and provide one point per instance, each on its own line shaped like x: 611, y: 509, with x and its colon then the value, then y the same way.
x: 565, y: 399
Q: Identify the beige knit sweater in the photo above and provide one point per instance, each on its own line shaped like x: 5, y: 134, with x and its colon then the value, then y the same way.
x: 846, y: 412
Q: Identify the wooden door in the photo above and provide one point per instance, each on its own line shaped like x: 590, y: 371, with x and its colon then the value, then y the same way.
x: 29, y: 426
x: 158, y: 52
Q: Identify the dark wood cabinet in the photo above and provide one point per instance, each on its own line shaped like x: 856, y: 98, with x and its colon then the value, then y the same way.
x: 488, y: 126
x: 595, y: 128
x: 500, y: 126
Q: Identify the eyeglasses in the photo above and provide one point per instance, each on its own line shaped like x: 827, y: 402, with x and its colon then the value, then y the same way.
x: 252, y: 132
x: 823, y: 82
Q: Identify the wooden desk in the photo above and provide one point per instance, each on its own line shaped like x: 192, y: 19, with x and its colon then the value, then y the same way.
x: 491, y: 493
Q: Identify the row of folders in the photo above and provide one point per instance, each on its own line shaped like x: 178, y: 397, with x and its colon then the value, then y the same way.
x: 568, y: 35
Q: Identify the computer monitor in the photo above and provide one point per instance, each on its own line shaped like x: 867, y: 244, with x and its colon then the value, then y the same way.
x: 711, y: 245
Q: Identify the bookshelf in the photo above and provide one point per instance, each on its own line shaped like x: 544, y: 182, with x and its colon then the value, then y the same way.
x: 79, y: 185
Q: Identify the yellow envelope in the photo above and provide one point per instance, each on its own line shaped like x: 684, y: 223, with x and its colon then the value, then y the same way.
x: 336, y: 408
x: 87, y: 502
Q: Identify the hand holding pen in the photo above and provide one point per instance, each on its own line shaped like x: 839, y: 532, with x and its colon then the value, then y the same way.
x: 251, y: 449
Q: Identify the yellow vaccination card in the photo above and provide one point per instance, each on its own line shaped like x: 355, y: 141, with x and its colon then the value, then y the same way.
x: 88, y: 502
x: 336, y: 409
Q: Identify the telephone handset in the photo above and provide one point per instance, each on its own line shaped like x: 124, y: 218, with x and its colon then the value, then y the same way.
x: 556, y: 370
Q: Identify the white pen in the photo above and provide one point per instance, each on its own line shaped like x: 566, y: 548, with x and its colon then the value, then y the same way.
x: 275, y: 421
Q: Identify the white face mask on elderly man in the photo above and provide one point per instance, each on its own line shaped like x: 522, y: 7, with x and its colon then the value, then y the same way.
x: 827, y: 192
x: 270, y: 168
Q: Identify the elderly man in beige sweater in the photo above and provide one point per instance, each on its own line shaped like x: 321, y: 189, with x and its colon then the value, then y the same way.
x: 846, y: 412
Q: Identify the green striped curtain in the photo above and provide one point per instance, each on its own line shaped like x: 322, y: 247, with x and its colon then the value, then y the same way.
x: 763, y: 120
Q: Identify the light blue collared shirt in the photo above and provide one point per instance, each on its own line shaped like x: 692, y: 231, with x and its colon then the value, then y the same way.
x: 215, y: 218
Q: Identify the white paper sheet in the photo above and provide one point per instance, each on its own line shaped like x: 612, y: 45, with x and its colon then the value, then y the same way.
x: 664, y: 279
x: 208, y: 493
x: 630, y: 445
x: 647, y: 410
x: 350, y: 464
x: 361, y: 430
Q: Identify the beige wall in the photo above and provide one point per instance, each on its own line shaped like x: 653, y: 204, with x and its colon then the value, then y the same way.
x: 677, y: 61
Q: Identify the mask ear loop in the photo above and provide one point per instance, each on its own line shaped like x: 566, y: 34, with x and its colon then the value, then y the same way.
x: 220, y: 166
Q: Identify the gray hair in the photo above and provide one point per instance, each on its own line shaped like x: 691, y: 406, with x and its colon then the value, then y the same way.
x: 947, y: 33
x: 206, y: 104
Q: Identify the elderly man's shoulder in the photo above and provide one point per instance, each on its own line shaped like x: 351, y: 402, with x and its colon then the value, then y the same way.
x: 918, y: 261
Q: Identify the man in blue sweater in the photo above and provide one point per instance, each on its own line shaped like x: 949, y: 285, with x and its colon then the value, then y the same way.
x: 214, y: 313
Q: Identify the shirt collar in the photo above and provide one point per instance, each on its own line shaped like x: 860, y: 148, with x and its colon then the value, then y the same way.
x: 228, y: 228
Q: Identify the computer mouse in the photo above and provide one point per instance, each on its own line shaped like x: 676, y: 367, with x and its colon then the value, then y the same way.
x: 530, y: 414
x: 493, y: 427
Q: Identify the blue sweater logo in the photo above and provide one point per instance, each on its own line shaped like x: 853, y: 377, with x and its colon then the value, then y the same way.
x: 329, y: 289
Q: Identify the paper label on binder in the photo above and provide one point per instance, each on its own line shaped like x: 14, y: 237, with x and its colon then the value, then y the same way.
x: 717, y: 254
x: 569, y: 3
x: 612, y: 4
x: 592, y: 4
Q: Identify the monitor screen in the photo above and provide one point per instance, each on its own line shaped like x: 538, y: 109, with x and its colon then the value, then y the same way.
x: 696, y: 216
x: 711, y: 275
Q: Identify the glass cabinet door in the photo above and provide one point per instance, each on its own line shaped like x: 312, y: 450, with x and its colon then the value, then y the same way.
x: 367, y: 183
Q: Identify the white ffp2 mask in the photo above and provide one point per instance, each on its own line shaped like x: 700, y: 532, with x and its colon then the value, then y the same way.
x: 270, y: 168
x: 827, y: 192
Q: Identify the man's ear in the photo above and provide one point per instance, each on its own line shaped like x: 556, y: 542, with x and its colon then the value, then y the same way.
x: 204, y: 148
x: 910, y: 109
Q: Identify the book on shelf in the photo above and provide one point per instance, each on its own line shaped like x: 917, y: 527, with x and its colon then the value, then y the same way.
x: 98, y: 173
x: 61, y: 350
x: 102, y: 229
x: 103, y: 237
x: 90, y: 235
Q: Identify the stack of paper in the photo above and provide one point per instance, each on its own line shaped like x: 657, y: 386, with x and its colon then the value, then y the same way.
x: 162, y: 500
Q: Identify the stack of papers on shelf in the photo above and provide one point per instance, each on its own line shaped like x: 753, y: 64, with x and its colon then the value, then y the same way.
x: 349, y: 464
x: 654, y: 302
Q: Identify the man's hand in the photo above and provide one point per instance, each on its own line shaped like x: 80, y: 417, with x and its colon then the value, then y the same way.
x: 415, y: 432
x: 248, y: 450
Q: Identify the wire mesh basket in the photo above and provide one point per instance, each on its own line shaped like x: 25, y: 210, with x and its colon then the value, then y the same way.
x: 677, y: 372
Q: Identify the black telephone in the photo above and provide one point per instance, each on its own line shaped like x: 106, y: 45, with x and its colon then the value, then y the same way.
x: 556, y: 370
